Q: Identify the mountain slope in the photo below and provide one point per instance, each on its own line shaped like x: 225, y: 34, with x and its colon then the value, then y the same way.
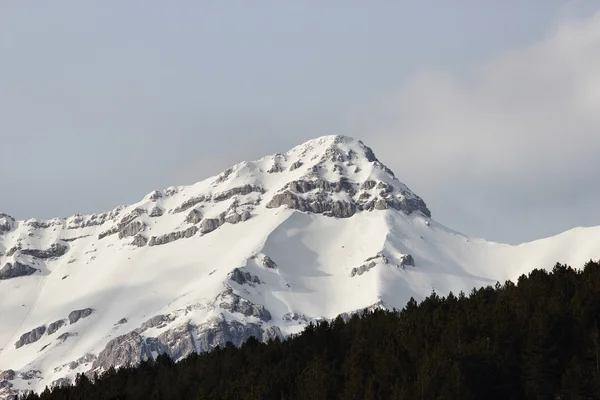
x: 259, y: 250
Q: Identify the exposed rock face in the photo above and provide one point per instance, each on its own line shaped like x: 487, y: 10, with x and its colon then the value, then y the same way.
x: 61, y: 382
x: 131, y: 348
x: 56, y: 325
x: 294, y: 316
x: 128, y: 349
x: 30, y: 337
x: 79, y: 221
x: 76, y: 315
x: 218, y: 331
x: 241, y: 276
x: 31, y: 374
x: 177, y: 343
x: 56, y: 250
x: 16, y: 270
x: 267, y: 261
x: 128, y: 226
x: 156, y: 212
x: 7, y: 375
x: 238, y: 217
x: 407, y: 259
x: 139, y: 240
x: 131, y: 229
x: 333, y: 208
x: 242, y: 190
x: 370, y: 263
x: 154, y: 195
x: 193, y: 217
x: 368, y: 185
x: 171, y: 237
x: 209, y: 225
x: 276, y: 167
x: 156, y: 321
x: 234, y: 303
x: 72, y: 239
x: 64, y: 336
x: 271, y: 333
x: 189, y: 203
x: 224, y: 175
x: 86, y: 359
x: 295, y: 165
x: 7, y: 223
x: 14, y: 249
x: 39, y: 224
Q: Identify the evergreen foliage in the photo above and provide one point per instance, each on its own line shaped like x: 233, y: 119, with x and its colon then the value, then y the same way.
x: 537, y: 339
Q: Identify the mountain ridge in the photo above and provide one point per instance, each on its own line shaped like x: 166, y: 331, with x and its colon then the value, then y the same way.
x: 261, y: 249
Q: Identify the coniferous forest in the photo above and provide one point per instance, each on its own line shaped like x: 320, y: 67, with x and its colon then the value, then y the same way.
x: 538, y: 338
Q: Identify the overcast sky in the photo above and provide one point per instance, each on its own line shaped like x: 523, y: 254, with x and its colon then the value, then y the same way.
x: 490, y: 112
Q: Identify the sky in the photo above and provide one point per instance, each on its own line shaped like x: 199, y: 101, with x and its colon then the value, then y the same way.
x: 490, y: 112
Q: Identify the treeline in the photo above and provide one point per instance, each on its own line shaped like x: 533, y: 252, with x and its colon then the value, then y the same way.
x: 536, y: 339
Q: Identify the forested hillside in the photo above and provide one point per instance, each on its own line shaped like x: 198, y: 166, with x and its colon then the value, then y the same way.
x: 537, y: 338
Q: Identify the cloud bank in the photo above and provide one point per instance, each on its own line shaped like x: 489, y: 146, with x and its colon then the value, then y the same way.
x: 514, y: 141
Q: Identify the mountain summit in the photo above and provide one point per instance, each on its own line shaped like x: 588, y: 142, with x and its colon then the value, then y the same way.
x: 262, y: 249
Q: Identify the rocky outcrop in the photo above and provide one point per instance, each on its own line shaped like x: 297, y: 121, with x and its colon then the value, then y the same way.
x: 39, y: 224
x: 327, y: 207
x: 132, y: 348
x: 404, y: 204
x: 209, y: 225
x: 61, y: 382
x: 76, y: 315
x: 189, y: 203
x: 158, y: 321
x: 242, y: 277
x: 370, y: 263
x: 171, y: 237
x: 14, y: 249
x: 407, y: 260
x: 265, y: 261
x: 64, y: 336
x: 86, y: 359
x: 242, y: 190
x: 54, y: 251
x: 177, y: 343
x: 56, y: 325
x: 31, y: 337
x: 79, y: 221
x: 296, y: 317
x: 276, y: 167
x: 131, y: 229
x: 295, y: 165
x: 154, y: 195
x: 238, y: 217
x: 72, y: 239
x: 16, y: 270
x: 7, y: 223
x: 193, y: 217
x: 218, y: 331
x: 128, y: 349
x: 236, y: 304
x: 128, y: 226
x: 368, y: 185
x: 156, y: 211
x: 139, y: 240
x: 7, y: 375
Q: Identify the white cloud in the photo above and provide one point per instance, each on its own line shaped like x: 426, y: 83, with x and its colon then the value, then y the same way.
x: 521, y: 129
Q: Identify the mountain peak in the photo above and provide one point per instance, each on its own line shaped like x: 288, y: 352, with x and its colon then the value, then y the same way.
x: 261, y: 250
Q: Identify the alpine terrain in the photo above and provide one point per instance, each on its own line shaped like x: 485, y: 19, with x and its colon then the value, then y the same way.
x: 260, y: 250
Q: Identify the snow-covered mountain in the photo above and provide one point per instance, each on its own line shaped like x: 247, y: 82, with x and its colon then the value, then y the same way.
x: 260, y: 250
